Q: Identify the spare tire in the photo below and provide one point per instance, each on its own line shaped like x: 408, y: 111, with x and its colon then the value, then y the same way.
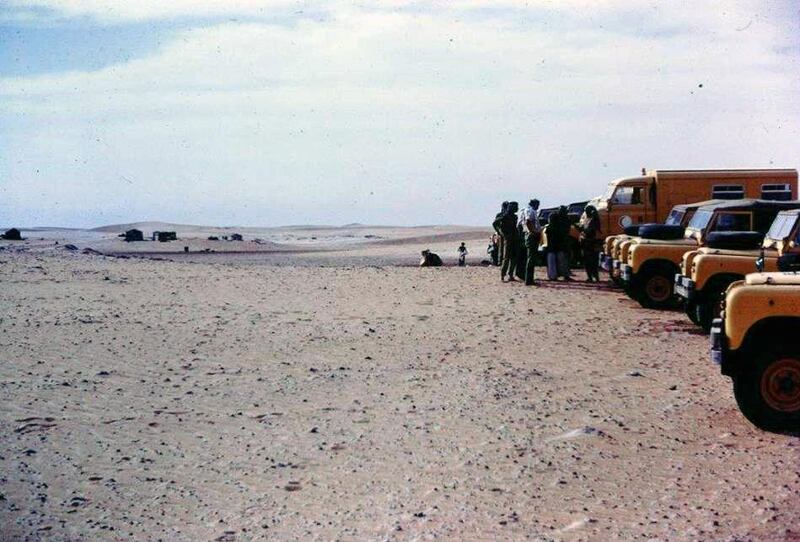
x: 664, y: 232
x: 633, y: 231
x: 789, y: 262
x: 734, y: 240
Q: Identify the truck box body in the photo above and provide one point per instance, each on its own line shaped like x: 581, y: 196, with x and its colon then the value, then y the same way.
x: 651, y: 197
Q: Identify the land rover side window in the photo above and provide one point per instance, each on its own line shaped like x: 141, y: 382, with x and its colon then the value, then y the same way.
x: 675, y: 218
x: 776, y: 192
x: 782, y: 227
x: 628, y: 195
x: 700, y: 220
x: 727, y: 191
x: 733, y: 222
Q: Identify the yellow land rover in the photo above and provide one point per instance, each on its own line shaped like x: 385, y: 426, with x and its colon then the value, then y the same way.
x: 651, y: 266
x: 755, y: 343
x: 616, y: 246
x: 707, y: 272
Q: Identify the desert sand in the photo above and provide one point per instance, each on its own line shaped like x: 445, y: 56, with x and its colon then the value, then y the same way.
x: 326, y: 389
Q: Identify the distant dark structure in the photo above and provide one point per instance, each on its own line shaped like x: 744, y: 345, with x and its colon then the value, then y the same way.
x: 213, y: 238
x: 133, y: 235
x: 12, y: 235
x: 236, y: 237
x: 164, y: 236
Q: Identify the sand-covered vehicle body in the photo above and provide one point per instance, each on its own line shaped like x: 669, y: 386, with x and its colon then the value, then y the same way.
x: 755, y: 343
x: 707, y: 272
x: 651, y: 265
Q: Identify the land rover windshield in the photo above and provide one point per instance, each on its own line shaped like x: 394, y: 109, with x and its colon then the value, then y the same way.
x: 733, y: 222
x: 782, y: 227
x: 675, y: 218
x: 700, y: 220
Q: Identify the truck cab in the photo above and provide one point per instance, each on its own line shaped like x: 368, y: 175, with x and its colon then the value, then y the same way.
x: 754, y: 342
x: 707, y: 272
x: 650, y: 269
x: 626, y: 202
x: 650, y: 197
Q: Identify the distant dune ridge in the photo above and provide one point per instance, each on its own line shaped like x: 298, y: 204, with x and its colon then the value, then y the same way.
x: 313, y: 244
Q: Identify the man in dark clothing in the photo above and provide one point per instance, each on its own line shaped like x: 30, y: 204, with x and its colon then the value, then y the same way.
x: 521, y: 249
x: 508, y: 228
x: 501, y: 243
x: 589, y: 227
x: 532, y: 237
x: 493, y: 250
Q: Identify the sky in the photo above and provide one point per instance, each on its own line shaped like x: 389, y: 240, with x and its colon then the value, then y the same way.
x: 275, y: 112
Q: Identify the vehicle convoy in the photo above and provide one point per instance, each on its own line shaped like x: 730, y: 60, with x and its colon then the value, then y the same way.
x: 707, y: 272
x: 615, y: 246
x: 755, y: 343
x: 651, y: 264
x: 650, y: 197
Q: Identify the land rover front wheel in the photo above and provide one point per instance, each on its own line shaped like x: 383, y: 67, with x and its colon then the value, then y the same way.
x: 691, y: 312
x: 655, y: 289
x: 768, y: 394
x: 706, y: 310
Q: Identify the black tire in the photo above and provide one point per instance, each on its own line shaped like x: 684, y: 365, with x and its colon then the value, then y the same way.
x: 734, y: 240
x: 691, y: 307
x: 664, y: 232
x: 709, y: 305
x: 655, y: 289
x: 768, y: 391
x: 704, y: 314
x: 632, y: 231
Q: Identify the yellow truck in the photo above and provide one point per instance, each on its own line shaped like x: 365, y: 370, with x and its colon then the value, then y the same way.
x: 707, y: 272
x: 615, y: 247
x: 650, y: 197
x: 648, y: 273
x: 755, y: 343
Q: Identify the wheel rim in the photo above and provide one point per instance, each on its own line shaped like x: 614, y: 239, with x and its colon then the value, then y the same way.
x: 658, y: 288
x: 780, y: 385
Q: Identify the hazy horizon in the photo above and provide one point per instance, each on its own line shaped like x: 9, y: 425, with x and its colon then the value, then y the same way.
x: 278, y: 112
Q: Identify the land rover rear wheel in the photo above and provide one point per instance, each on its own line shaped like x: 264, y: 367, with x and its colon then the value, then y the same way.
x: 655, y: 289
x: 768, y: 393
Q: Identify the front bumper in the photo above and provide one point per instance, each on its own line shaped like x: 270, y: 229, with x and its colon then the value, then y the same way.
x: 626, y: 272
x: 684, y: 287
x: 718, y: 350
x: 721, y: 355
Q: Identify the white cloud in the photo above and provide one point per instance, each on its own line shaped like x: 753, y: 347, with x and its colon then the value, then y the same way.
x: 399, y: 115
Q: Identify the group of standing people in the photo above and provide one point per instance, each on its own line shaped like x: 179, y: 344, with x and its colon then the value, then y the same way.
x: 519, y: 237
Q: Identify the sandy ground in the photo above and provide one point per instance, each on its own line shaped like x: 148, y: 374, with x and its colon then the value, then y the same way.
x: 231, y: 399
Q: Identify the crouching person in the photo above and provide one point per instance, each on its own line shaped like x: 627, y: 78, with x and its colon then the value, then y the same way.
x: 430, y: 259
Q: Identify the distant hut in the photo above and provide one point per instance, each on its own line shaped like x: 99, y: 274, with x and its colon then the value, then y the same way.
x: 133, y: 235
x: 213, y: 238
x: 12, y: 235
x: 236, y: 237
x: 164, y: 236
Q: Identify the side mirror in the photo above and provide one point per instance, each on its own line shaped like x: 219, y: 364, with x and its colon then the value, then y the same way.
x: 760, y: 261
